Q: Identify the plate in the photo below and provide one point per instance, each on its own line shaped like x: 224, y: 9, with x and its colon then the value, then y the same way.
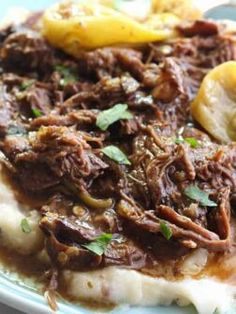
x: 24, y: 298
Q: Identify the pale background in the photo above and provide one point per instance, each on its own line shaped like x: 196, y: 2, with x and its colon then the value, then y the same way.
x: 34, y: 5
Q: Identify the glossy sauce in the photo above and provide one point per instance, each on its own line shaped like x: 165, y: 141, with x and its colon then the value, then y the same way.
x: 218, y: 266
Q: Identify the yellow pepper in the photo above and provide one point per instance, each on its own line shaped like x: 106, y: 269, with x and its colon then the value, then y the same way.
x: 76, y: 25
x: 215, y: 105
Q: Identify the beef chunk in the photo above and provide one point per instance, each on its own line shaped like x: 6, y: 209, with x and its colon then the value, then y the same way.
x: 57, y: 153
x: 26, y: 51
x: 109, y: 62
x: 35, y: 100
x: 190, y: 234
x: 80, y: 118
x: 206, y: 52
x: 203, y: 28
x: 162, y: 172
x: 67, y: 234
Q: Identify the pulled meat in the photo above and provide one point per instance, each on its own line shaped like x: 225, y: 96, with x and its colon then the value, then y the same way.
x: 26, y: 51
x: 201, y: 27
x: 52, y: 146
x: 68, y: 232
x: 162, y: 172
x: 54, y: 155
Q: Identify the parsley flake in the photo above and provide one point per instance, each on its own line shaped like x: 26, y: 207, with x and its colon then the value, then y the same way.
x: 26, y: 84
x: 68, y: 75
x: 99, y: 245
x: 179, y: 140
x: 192, y: 141
x: 196, y: 194
x: 116, y: 154
x: 166, y: 230
x: 25, y: 227
x: 36, y: 112
x: 107, y: 117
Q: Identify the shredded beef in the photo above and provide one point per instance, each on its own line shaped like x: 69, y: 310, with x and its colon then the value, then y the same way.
x: 66, y: 236
x: 26, y: 51
x: 202, y: 28
x: 52, y: 146
x: 63, y: 154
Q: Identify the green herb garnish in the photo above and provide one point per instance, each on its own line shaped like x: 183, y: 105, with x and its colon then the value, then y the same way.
x: 25, y: 85
x: 179, y: 140
x: 68, y: 75
x: 116, y: 154
x: 25, y: 227
x: 166, y: 230
x: 109, y: 116
x: 192, y: 141
x: 36, y: 112
x: 99, y: 245
x: 196, y: 194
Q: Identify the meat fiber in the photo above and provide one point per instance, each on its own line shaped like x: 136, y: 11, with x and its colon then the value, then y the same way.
x: 52, y: 146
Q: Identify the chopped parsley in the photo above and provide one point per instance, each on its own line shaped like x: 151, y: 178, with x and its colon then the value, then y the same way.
x: 107, y: 117
x: 114, y: 153
x: 166, y: 230
x: 99, y: 245
x: 26, y: 84
x: 179, y: 140
x: 196, y: 194
x: 36, y: 112
x: 68, y: 75
x: 192, y: 141
x: 25, y: 227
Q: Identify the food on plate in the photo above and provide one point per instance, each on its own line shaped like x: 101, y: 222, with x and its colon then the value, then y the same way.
x: 73, y: 25
x: 110, y: 190
x: 185, y: 9
x: 215, y: 105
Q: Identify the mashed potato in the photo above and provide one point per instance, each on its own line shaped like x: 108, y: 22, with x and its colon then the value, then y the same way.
x: 131, y: 287
x: 11, y: 215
